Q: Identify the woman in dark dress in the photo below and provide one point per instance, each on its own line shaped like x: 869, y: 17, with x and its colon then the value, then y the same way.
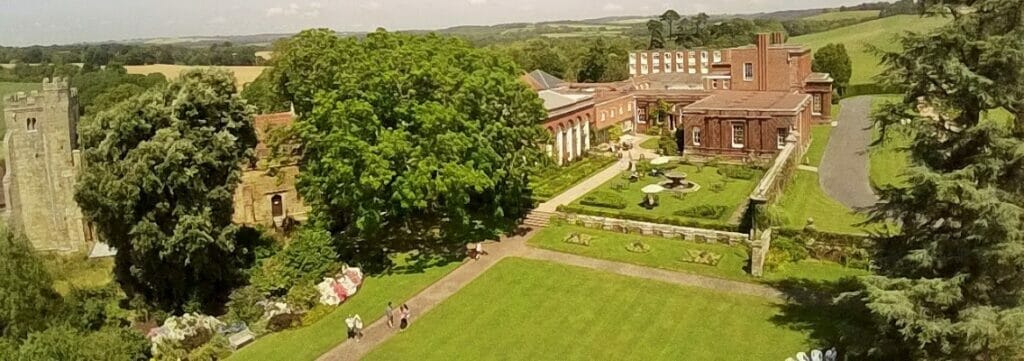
x: 405, y: 317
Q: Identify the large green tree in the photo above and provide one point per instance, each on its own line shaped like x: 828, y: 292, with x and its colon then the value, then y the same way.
x: 541, y: 54
x: 595, y: 63
x: 260, y: 93
x: 950, y: 283
x: 833, y: 59
x: 27, y: 298
x: 409, y: 142
x: 670, y: 16
x: 162, y: 170
x: 656, y: 30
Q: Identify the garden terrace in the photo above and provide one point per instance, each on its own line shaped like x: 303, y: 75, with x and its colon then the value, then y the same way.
x: 552, y: 181
x: 708, y: 259
x: 717, y: 204
x: 520, y: 308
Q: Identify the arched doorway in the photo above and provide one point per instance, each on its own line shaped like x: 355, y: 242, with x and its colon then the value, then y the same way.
x: 276, y: 206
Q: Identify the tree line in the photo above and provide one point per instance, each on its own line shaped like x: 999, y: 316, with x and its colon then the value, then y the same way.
x: 133, y: 54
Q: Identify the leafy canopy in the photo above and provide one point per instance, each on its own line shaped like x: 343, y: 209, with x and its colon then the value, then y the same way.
x: 833, y: 59
x: 409, y: 142
x: 163, y: 167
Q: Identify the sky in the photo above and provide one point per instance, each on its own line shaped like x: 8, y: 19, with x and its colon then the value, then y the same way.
x: 46, y: 22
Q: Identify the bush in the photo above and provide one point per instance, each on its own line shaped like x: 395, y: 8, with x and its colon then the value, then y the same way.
x: 316, y: 314
x: 703, y: 211
x: 303, y: 297
x: 785, y: 250
x: 738, y: 172
x: 218, y: 348
x: 604, y: 200
x: 243, y: 305
x: 683, y: 222
x: 307, y: 258
x: 86, y: 308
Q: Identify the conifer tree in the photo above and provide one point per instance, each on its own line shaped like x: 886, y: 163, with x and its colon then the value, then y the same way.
x: 950, y: 283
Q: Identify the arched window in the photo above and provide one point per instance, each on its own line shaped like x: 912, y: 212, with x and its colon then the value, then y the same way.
x: 276, y: 206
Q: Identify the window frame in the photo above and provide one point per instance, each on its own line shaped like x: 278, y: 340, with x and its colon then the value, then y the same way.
x: 780, y: 137
x: 742, y: 132
x: 751, y: 66
x: 695, y: 136
x: 817, y: 104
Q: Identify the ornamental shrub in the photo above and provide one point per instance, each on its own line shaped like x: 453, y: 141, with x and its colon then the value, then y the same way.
x: 306, y: 259
x: 604, y: 200
x: 737, y: 172
x: 704, y: 211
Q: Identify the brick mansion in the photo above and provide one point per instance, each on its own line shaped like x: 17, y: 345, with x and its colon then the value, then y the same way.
x: 738, y: 102
x: 743, y: 101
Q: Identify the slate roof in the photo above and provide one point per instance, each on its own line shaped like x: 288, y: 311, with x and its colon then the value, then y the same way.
x: 750, y: 100
x: 541, y: 80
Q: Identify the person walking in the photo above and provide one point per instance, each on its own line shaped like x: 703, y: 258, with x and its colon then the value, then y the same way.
x: 404, y: 322
x: 351, y: 323
x: 358, y: 323
x: 389, y: 312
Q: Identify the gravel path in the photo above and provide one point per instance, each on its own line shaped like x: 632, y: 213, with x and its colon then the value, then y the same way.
x: 844, y: 168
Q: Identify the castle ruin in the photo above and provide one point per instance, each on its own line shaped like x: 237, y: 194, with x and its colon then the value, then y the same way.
x: 42, y: 162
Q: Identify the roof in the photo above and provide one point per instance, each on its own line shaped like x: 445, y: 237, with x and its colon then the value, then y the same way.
x: 750, y: 100
x: 672, y: 81
x: 555, y: 100
x: 819, y: 78
x: 541, y: 80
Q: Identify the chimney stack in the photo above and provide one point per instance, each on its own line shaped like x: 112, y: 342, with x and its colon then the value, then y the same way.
x: 761, y: 67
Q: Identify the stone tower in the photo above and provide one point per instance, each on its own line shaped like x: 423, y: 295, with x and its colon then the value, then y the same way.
x: 42, y: 164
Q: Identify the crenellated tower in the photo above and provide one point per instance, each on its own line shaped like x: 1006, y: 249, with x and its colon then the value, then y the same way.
x: 42, y: 164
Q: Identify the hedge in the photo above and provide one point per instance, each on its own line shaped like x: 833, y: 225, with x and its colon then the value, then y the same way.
x: 703, y: 211
x: 673, y: 221
x: 737, y: 172
x: 604, y: 200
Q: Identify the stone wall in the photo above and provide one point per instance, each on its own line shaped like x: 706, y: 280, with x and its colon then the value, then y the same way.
x: 654, y: 229
x: 42, y: 164
x: 759, y: 253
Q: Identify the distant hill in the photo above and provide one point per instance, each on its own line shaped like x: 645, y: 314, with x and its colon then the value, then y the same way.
x: 879, y: 33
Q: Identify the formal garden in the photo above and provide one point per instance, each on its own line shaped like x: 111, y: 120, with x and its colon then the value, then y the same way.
x: 790, y: 257
x: 550, y: 181
x: 708, y: 195
x: 534, y: 310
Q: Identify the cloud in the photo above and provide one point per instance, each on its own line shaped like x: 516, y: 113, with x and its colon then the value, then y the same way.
x: 217, y: 20
x: 271, y: 12
x: 372, y: 4
x: 612, y: 7
x: 315, y: 5
x: 477, y: 2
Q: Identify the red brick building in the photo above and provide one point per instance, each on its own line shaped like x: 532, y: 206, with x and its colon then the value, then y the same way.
x: 740, y: 101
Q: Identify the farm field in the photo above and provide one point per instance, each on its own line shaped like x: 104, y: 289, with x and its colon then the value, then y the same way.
x: 532, y: 310
x: 840, y: 15
x: 880, y: 33
x: 243, y: 74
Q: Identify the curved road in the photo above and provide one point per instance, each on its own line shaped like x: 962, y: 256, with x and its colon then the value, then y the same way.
x: 844, y: 168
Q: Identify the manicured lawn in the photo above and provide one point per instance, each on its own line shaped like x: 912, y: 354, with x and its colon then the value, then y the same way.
x: 857, y: 38
x: 803, y: 198
x: 732, y: 194
x: 889, y: 158
x: 840, y: 15
x: 533, y: 310
x: 836, y: 109
x: 650, y: 143
x: 820, y: 134
x: 555, y: 180
x: 309, y: 342
x: 667, y: 254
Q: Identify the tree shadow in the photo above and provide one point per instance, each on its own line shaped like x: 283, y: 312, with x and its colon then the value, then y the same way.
x: 820, y: 310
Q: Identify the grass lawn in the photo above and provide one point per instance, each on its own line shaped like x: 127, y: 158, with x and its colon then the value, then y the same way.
x: 650, y: 143
x: 820, y: 134
x: 78, y: 272
x: 836, y: 109
x: 841, y: 15
x: 803, y: 198
x: 555, y: 180
x: 309, y: 342
x: 533, y: 310
x: 733, y: 193
x: 880, y: 33
x: 667, y: 254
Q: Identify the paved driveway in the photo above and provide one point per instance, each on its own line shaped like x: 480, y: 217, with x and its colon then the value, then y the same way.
x: 844, y: 168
